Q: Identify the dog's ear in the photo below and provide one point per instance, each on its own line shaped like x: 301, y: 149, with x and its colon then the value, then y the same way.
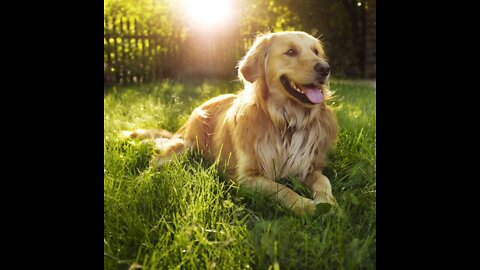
x: 252, y: 66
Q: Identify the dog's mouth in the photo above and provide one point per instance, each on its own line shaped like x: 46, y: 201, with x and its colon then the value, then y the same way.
x: 307, y: 93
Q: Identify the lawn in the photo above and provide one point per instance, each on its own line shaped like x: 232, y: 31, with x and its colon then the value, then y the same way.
x: 189, y: 215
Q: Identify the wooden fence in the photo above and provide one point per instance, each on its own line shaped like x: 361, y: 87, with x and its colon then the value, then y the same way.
x: 131, y: 55
x: 135, y: 55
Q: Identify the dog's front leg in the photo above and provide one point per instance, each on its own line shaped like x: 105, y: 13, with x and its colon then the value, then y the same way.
x: 285, y: 196
x: 320, y: 187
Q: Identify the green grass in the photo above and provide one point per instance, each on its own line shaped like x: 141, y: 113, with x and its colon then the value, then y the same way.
x: 190, y: 216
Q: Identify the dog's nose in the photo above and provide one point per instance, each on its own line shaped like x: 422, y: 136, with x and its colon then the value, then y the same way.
x: 322, y: 69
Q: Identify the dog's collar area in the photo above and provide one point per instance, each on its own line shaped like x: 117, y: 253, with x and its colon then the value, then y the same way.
x: 300, y: 96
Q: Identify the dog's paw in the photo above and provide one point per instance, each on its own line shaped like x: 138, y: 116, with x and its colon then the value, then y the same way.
x: 324, y: 203
x: 325, y: 198
x: 304, y: 206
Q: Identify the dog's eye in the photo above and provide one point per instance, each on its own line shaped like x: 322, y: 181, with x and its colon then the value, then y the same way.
x: 315, y: 51
x: 291, y: 52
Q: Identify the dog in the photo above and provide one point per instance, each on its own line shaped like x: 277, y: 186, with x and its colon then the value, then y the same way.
x: 278, y: 126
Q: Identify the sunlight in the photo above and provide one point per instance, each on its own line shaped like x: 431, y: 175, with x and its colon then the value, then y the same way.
x: 208, y: 13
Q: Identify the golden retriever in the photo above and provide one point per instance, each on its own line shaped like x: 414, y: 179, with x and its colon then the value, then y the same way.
x: 278, y: 126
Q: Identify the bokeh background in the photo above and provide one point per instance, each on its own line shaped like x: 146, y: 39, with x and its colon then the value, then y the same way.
x: 149, y: 40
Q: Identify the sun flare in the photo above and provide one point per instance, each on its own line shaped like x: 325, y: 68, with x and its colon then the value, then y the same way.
x: 208, y: 12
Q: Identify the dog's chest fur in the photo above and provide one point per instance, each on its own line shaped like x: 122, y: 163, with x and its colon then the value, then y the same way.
x: 289, y: 153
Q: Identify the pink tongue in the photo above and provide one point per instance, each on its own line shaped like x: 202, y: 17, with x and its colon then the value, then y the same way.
x: 313, y: 94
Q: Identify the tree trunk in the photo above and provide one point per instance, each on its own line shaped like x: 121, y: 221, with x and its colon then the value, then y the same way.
x: 370, y: 40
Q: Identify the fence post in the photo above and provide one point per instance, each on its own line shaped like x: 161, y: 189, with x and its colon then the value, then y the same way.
x: 115, y: 49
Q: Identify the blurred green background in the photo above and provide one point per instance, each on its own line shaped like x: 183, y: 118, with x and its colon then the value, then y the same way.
x: 150, y: 40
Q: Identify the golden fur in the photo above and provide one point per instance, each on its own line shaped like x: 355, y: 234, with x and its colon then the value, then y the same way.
x: 264, y: 133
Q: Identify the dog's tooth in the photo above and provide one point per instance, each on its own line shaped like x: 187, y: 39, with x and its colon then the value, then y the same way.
x: 294, y: 86
x: 298, y: 89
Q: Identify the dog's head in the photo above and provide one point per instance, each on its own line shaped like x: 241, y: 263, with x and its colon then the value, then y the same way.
x: 293, y: 65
